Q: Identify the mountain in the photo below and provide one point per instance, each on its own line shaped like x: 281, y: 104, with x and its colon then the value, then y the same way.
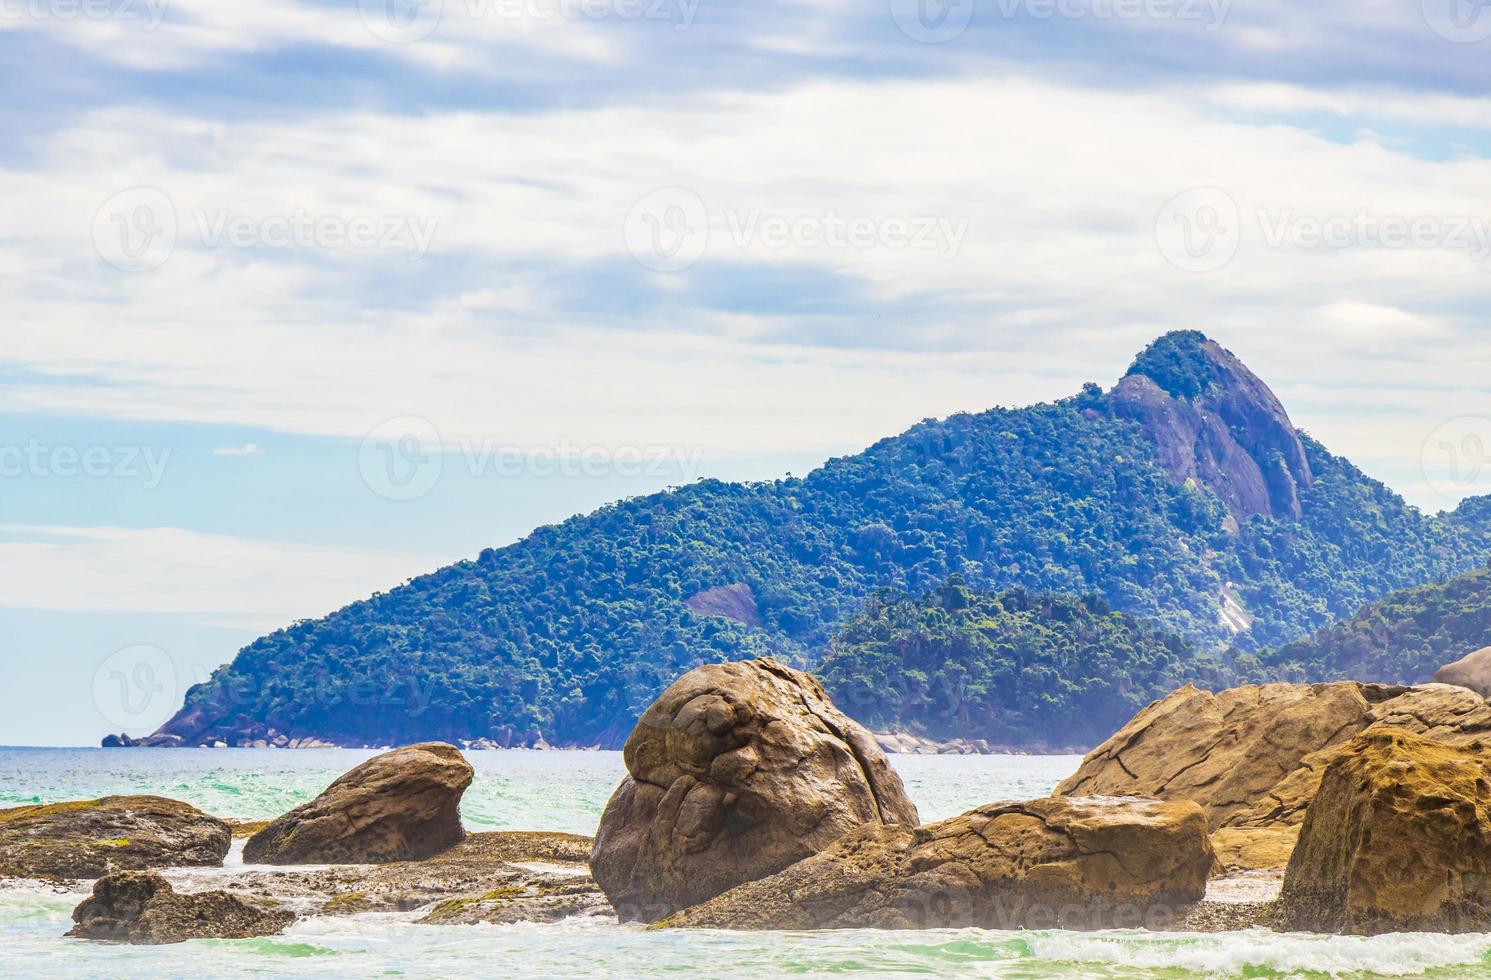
x: 1015, y: 669
x: 1184, y: 495
x: 1402, y: 638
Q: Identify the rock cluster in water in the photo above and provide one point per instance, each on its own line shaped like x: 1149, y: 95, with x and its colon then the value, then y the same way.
x: 142, y: 908
x: 751, y: 802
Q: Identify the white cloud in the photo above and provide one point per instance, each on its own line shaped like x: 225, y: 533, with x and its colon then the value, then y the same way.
x: 247, y: 449
x: 208, y: 578
x: 1059, y: 278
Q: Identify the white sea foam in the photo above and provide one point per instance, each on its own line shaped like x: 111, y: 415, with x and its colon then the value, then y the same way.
x: 1231, y: 954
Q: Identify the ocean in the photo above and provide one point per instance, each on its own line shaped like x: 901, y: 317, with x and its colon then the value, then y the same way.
x: 565, y: 791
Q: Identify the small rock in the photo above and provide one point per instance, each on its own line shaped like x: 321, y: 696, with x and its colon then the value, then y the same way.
x: 141, y: 908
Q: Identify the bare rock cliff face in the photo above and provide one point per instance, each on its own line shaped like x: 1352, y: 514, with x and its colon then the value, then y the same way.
x: 1212, y: 420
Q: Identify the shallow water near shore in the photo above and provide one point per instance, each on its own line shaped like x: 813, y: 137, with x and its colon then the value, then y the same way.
x: 565, y: 791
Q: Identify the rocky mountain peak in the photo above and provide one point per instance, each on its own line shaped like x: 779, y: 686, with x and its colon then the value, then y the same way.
x: 1211, y: 419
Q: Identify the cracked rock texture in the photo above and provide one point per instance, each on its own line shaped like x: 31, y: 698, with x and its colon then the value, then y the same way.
x: 1253, y: 756
x: 141, y: 908
x: 1398, y: 839
x: 399, y: 806
x: 90, y: 838
x: 1049, y: 863
x: 735, y: 772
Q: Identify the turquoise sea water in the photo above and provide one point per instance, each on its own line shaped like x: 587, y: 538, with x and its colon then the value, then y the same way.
x: 566, y: 791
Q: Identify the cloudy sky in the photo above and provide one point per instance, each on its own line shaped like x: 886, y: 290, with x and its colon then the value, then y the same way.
x: 304, y: 298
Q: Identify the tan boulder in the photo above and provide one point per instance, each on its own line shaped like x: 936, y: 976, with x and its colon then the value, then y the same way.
x: 735, y: 772
x: 90, y: 838
x: 1253, y: 848
x: 1252, y: 756
x: 1471, y: 671
x: 402, y: 805
x: 1049, y: 863
x: 1397, y: 839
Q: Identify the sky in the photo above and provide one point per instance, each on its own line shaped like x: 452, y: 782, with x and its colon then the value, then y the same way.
x: 302, y: 299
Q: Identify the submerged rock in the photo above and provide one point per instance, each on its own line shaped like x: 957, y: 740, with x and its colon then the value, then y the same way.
x: 500, y: 876
x: 736, y: 772
x: 1048, y: 863
x: 1472, y: 671
x: 90, y: 838
x: 140, y: 907
x: 1398, y: 839
x: 399, y: 806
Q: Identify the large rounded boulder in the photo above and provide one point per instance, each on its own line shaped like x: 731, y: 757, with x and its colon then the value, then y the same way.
x: 402, y: 805
x: 735, y: 772
x: 1043, y: 864
x: 1397, y: 839
x: 1472, y: 671
x: 90, y: 838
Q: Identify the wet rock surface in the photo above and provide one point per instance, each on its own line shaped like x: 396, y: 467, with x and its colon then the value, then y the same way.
x: 532, y: 876
x: 736, y: 772
x: 399, y: 806
x: 140, y: 907
x: 1048, y: 863
x: 90, y: 838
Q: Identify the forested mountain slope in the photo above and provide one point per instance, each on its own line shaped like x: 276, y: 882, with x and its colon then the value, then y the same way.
x: 1182, y: 494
